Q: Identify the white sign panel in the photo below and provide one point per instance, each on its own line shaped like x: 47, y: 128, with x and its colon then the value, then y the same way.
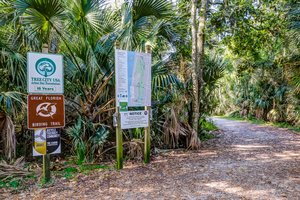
x: 133, y: 78
x: 121, y: 76
x: 134, y: 119
x: 39, y: 145
x: 45, y: 73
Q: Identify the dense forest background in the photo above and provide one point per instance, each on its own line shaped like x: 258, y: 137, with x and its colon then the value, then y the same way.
x: 209, y: 57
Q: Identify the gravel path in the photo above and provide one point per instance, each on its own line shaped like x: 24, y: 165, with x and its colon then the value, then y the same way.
x: 245, y: 161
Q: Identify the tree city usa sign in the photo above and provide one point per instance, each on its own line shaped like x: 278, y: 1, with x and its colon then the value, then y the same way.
x: 45, y: 73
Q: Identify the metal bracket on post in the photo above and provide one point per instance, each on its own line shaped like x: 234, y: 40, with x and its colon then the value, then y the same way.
x: 151, y: 114
x: 115, y: 119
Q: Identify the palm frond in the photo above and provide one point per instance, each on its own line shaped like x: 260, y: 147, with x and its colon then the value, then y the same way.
x: 11, y: 102
x: 162, y: 78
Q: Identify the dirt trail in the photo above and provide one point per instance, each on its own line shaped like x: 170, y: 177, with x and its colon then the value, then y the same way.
x: 245, y: 162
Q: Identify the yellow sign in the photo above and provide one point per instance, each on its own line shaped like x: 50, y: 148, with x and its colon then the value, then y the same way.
x: 40, y: 147
x: 40, y: 143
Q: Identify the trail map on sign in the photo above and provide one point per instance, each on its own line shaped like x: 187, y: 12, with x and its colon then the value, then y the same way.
x: 138, y: 79
x: 133, y: 75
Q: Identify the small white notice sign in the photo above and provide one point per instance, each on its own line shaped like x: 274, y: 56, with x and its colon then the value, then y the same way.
x: 45, y: 73
x: 134, y: 119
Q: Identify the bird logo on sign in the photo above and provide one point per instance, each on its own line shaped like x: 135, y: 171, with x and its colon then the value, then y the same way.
x: 46, y: 109
x: 41, y: 135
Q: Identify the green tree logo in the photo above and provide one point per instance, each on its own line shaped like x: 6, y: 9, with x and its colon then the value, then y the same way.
x: 45, y: 67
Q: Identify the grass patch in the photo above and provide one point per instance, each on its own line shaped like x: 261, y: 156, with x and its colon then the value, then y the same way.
x: 207, y: 126
x: 72, y: 171
x: 284, y: 125
x: 89, y: 168
x: 17, y: 183
x: 206, y: 136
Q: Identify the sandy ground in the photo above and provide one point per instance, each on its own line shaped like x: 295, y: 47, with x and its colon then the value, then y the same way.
x: 245, y: 161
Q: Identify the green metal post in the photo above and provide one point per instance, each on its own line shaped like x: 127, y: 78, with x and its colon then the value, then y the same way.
x: 119, y: 135
x: 46, y: 158
x: 119, y: 141
x: 46, y: 168
x: 147, y: 140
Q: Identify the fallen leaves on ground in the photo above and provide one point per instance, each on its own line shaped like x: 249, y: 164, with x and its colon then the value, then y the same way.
x: 244, y: 161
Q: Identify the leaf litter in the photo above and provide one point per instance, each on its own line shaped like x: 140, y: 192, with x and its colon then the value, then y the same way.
x: 243, y: 161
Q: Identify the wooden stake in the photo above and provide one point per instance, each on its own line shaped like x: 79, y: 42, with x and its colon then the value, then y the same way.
x: 119, y: 135
x: 46, y: 158
x: 46, y: 168
x: 147, y: 142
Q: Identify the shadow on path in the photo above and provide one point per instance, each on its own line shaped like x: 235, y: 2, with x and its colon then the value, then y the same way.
x: 246, y: 161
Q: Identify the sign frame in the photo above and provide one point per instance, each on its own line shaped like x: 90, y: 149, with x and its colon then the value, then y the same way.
x: 143, y: 120
x: 122, y: 69
x: 61, y: 74
x: 29, y: 123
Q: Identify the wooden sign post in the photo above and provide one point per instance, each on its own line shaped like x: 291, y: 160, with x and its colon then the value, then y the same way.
x: 147, y: 136
x: 45, y: 104
x: 46, y: 157
x: 133, y: 97
x: 119, y: 134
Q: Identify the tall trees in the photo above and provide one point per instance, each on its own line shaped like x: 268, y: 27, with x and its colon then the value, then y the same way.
x: 194, y: 67
x: 198, y: 19
x: 258, y: 42
x: 200, y: 50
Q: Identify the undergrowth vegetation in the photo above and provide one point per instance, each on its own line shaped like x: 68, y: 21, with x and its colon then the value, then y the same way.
x: 85, y: 33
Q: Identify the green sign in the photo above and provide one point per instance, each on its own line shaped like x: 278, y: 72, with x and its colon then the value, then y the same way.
x: 123, y: 106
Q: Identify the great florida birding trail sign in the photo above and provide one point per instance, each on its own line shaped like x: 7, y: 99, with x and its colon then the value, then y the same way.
x: 45, y: 111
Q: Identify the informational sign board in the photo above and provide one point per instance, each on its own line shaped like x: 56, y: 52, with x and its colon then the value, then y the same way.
x: 46, y: 141
x: 133, y: 79
x: 45, y: 73
x: 134, y: 119
x: 45, y: 111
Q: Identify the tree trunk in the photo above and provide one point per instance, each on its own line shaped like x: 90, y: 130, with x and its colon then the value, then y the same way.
x: 8, y: 136
x: 200, y: 50
x: 195, y: 102
x: 2, y: 133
